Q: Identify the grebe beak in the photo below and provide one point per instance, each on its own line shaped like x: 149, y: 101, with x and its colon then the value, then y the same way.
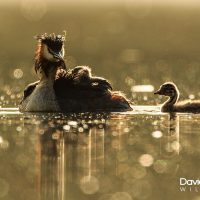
x: 58, y: 55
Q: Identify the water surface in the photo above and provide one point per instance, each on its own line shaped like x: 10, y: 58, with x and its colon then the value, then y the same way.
x: 116, y: 156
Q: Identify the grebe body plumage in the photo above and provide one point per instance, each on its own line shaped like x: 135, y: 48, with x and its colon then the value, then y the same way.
x: 67, y: 90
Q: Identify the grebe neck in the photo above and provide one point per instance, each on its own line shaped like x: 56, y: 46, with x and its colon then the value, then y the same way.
x: 46, y: 69
x: 169, y: 104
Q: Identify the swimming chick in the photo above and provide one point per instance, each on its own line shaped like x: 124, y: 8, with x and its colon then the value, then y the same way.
x: 67, y: 90
x: 170, y: 90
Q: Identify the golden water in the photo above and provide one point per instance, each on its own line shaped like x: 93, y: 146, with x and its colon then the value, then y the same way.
x: 117, y: 156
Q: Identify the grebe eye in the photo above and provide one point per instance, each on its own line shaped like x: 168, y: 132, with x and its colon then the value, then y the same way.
x: 50, y: 51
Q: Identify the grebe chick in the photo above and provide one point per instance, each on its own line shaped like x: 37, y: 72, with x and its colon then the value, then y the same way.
x: 67, y: 90
x: 170, y: 90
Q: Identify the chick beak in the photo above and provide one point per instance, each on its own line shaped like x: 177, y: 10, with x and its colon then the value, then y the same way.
x: 158, y: 92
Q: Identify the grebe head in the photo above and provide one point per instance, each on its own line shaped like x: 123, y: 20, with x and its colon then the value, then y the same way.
x: 49, y: 54
x: 52, y: 47
x: 168, y: 89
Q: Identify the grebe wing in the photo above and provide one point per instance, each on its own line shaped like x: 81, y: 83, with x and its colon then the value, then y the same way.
x: 67, y: 85
x: 29, y: 89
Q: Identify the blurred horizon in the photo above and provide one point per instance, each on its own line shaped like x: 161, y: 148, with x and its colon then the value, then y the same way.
x: 111, y: 2
x: 126, y: 43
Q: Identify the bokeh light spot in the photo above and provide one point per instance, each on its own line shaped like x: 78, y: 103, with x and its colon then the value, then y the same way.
x: 146, y: 160
x: 66, y: 127
x: 142, y: 88
x: 72, y: 123
x: 157, y: 134
x: 55, y: 136
x: 160, y: 166
x: 1, y: 140
x: 191, y: 96
x: 80, y: 129
x: 18, y: 73
x: 89, y: 184
x: 19, y: 128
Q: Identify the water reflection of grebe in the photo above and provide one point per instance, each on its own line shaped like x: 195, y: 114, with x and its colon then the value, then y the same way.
x: 172, y: 105
x: 83, y: 155
x: 61, y: 90
x: 70, y: 156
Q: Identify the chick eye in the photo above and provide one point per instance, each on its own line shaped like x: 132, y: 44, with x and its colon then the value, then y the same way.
x: 169, y: 91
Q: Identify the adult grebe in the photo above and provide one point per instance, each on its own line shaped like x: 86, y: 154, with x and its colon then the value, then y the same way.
x: 172, y: 105
x: 62, y: 90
